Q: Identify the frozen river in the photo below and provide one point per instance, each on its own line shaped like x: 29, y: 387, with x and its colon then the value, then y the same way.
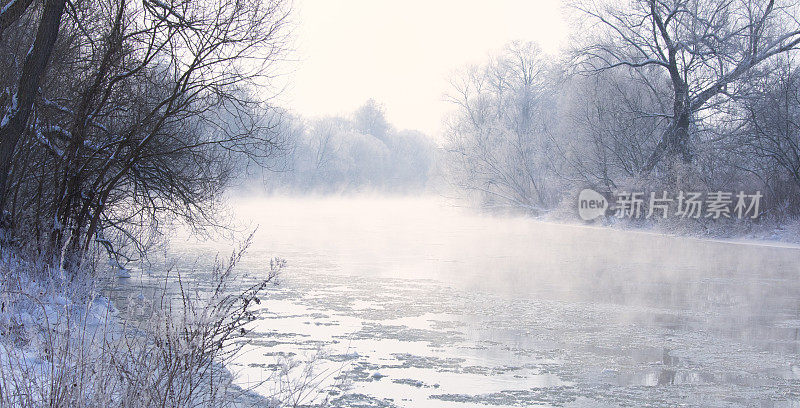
x: 411, y: 302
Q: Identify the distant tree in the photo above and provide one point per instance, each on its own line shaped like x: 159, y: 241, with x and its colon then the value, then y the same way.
x: 370, y: 119
x: 323, y: 141
x: 363, y: 152
x: 499, y: 139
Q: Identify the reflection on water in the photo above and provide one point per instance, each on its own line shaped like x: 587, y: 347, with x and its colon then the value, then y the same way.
x: 421, y: 304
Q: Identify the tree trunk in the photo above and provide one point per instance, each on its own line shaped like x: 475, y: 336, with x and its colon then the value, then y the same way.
x: 674, y: 143
x: 33, y: 69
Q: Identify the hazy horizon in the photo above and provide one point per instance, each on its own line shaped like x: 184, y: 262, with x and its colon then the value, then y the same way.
x: 402, y: 55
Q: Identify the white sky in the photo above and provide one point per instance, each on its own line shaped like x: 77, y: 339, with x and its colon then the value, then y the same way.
x: 402, y: 52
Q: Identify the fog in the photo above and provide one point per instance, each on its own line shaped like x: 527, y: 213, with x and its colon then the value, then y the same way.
x: 347, y: 154
x: 457, y: 306
x: 577, y: 203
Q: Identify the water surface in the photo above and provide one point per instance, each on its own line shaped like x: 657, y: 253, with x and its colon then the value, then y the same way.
x: 414, y: 302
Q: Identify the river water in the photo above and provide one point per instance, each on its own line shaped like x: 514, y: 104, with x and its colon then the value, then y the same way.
x: 415, y: 302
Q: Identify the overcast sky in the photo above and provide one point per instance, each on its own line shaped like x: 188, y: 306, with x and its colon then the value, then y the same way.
x: 401, y: 53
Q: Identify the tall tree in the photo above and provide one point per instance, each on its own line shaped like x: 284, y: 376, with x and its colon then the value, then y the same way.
x: 705, y: 48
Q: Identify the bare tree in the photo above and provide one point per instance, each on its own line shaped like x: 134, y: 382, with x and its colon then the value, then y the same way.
x: 767, y: 145
x: 146, y: 110
x: 607, y: 129
x: 499, y: 139
x: 704, y: 48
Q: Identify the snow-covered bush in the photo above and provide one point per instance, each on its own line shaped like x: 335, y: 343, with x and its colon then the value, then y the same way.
x: 64, y: 345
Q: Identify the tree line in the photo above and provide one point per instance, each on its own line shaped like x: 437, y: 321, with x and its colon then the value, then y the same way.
x: 359, y: 153
x: 655, y: 95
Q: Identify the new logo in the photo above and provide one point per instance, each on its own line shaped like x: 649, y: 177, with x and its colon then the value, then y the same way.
x: 591, y: 204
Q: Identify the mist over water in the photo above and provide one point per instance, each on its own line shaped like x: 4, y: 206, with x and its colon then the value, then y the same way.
x: 419, y: 302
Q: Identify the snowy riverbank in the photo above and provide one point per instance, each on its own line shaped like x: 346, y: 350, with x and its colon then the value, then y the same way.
x: 64, y: 344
